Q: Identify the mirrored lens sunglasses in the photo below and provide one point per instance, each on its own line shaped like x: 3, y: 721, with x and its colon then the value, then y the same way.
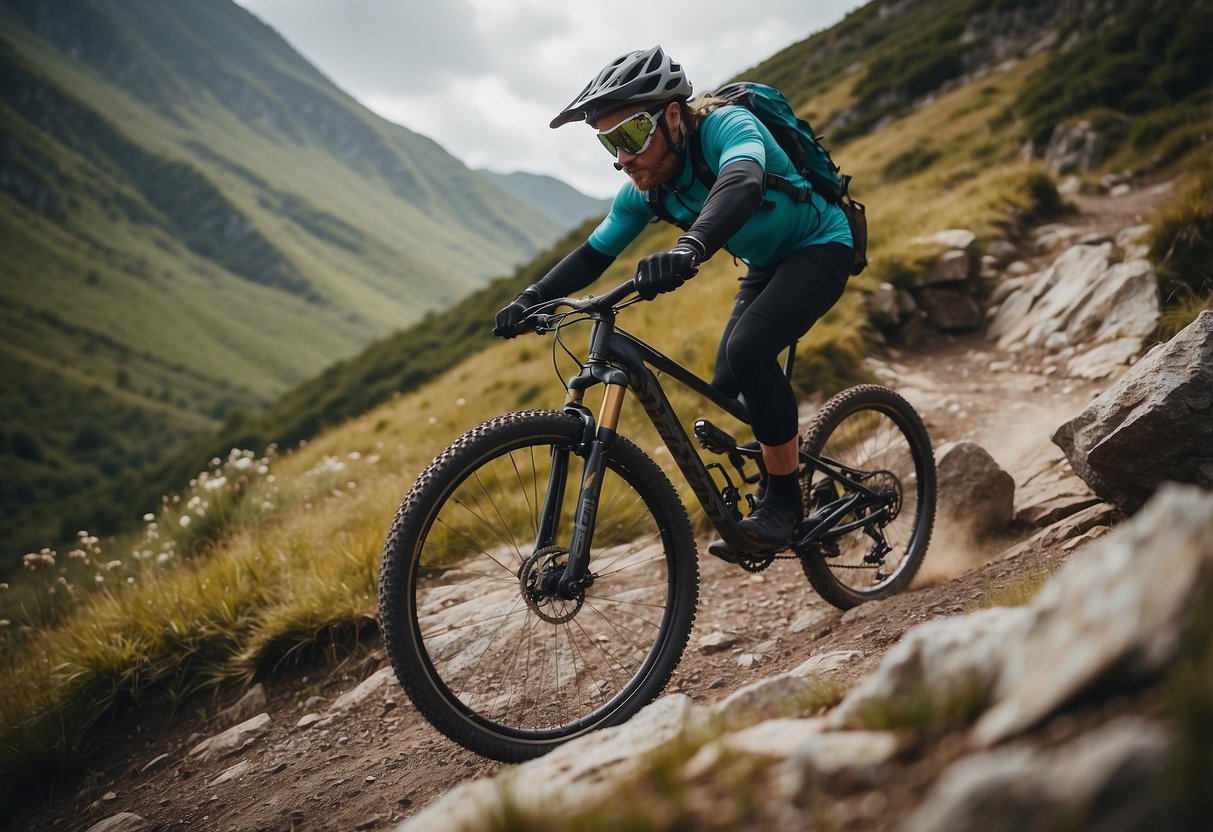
x: 632, y: 135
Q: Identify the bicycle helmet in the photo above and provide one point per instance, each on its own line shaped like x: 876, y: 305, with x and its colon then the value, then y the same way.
x: 647, y: 76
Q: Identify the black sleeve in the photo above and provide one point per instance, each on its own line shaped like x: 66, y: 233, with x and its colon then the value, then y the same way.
x: 734, y: 198
x: 579, y: 268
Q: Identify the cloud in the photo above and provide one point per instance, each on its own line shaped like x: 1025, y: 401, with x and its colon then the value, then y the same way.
x: 484, y: 77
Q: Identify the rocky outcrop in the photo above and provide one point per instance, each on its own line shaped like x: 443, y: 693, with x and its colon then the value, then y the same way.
x: 974, y: 489
x: 1154, y: 425
x: 1103, y: 624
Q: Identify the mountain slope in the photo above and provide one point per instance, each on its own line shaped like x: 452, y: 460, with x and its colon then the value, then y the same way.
x: 193, y: 219
x: 550, y: 196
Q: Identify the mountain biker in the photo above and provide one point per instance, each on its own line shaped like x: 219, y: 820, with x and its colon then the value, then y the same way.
x: 798, y: 254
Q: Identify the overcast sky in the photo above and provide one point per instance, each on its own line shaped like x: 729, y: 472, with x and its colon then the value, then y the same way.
x: 484, y: 77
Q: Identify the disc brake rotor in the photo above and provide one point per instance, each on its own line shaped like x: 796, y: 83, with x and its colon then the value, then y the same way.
x: 539, y: 579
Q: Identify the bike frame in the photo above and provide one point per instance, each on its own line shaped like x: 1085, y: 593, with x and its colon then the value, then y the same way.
x: 622, y: 362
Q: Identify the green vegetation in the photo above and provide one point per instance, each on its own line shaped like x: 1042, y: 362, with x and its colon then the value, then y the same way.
x: 231, y: 579
x: 1153, y: 57
x: 1188, y: 705
x: 184, y: 239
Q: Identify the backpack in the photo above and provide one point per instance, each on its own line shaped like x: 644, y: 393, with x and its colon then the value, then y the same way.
x: 797, y: 139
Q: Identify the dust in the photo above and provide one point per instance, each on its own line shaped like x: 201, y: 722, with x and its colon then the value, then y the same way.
x: 954, y: 551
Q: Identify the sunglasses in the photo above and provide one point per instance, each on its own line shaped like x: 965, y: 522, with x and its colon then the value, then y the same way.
x: 632, y: 135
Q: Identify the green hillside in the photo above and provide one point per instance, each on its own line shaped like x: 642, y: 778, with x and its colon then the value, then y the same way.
x: 194, y: 219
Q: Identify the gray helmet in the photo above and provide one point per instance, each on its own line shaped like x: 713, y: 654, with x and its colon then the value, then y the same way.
x: 632, y: 78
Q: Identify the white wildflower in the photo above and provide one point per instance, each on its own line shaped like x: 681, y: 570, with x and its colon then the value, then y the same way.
x: 149, y: 517
x: 243, y: 464
x: 185, y: 521
x: 215, y: 484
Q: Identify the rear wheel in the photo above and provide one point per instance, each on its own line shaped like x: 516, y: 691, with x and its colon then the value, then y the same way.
x: 487, y: 649
x: 878, y: 439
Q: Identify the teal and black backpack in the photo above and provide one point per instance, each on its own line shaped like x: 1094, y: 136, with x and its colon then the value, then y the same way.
x: 804, y: 148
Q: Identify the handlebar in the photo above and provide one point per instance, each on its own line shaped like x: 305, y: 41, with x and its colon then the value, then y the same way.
x: 591, y: 304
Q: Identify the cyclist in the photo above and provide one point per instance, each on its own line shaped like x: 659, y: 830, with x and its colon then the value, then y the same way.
x: 798, y: 253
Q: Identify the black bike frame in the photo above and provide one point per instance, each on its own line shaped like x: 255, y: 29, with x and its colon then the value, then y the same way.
x: 622, y: 362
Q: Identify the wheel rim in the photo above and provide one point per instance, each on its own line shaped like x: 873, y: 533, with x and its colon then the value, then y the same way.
x: 524, y: 663
x: 872, y: 440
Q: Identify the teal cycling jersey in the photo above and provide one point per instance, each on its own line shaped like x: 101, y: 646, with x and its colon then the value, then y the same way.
x: 778, y: 228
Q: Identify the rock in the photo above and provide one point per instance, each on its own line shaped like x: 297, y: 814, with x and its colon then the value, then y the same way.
x: 122, y: 822
x: 945, y: 656
x: 1110, y: 779
x: 1104, y: 360
x: 778, y: 738
x: 232, y: 740
x: 950, y: 310
x: 856, y: 756
x: 1122, y: 304
x: 778, y: 696
x: 1155, y: 424
x: 1072, y: 525
x: 1054, y: 236
x: 308, y: 720
x: 573, y: 776
x: 716, y: 641
x: 380, y: 683
x: 1047, y: 503
x: 1134, y: 241
x: 154, y: 763
x: 1003, y: 251
x: 826, y: 664
x: 1112, y: 615
x: 949, y: 267
x: 238, y: 770
x: 883, y: 305
x: 1052, y: 296
x: 954, y: 238
x: 979, y: 494
x: 1074, y: 148
x: 252, y: 703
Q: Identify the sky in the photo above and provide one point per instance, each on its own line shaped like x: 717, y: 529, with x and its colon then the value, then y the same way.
x: 483, y: 78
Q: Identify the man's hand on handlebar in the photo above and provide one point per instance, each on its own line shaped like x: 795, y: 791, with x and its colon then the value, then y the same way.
x: 667, y: 270
x: 513, y: 320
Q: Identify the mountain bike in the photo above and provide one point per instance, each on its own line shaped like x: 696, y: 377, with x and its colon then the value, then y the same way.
x: 540, y: 578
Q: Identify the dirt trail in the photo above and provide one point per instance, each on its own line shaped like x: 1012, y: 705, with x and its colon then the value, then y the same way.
x: 382, y: 762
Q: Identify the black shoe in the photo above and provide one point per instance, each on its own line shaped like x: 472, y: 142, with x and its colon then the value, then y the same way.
x: 722, y: 550
x: 771, y: 523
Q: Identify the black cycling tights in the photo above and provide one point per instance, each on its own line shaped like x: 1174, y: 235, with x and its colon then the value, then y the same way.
x: 774, y: 307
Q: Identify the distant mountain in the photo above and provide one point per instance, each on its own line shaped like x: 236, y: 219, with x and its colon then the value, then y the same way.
x: 193, y: 219
x: 556, y: 199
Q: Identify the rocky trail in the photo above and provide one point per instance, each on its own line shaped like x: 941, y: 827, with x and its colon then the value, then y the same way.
x: 339, y: 747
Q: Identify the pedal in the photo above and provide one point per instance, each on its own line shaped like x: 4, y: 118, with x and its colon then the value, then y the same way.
x: 713, y: 439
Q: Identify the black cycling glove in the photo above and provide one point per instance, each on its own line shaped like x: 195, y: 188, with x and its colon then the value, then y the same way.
x: 511, y: 320
x: 667, y: 270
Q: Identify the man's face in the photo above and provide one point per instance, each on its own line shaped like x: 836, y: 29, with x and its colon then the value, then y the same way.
x: 656, y: 164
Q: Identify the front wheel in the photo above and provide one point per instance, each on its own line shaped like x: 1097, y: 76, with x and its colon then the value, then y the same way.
x: 877, y: 439
x: 486, y: 647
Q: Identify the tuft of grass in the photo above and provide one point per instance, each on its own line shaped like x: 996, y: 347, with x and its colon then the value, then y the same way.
x: 925, y: 714
x: 1018, y: 593
x: 1181, y: 246
x: 1188, y: 705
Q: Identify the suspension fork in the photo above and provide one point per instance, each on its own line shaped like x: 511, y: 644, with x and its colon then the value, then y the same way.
x: 576, y: 574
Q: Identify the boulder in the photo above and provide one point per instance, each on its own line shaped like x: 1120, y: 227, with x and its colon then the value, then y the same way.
x: 978, y: 492
x: 950, y: 310
x: 949, y: 267
x: 1074, y: 148
x: 1110, y: 778
x: 1041, y: 308
x: 1154, y: 425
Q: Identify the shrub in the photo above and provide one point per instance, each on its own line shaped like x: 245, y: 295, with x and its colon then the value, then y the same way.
x: 1182, y: 244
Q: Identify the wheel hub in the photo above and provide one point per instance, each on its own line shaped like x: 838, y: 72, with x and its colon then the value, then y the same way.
x: 539, y: 579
